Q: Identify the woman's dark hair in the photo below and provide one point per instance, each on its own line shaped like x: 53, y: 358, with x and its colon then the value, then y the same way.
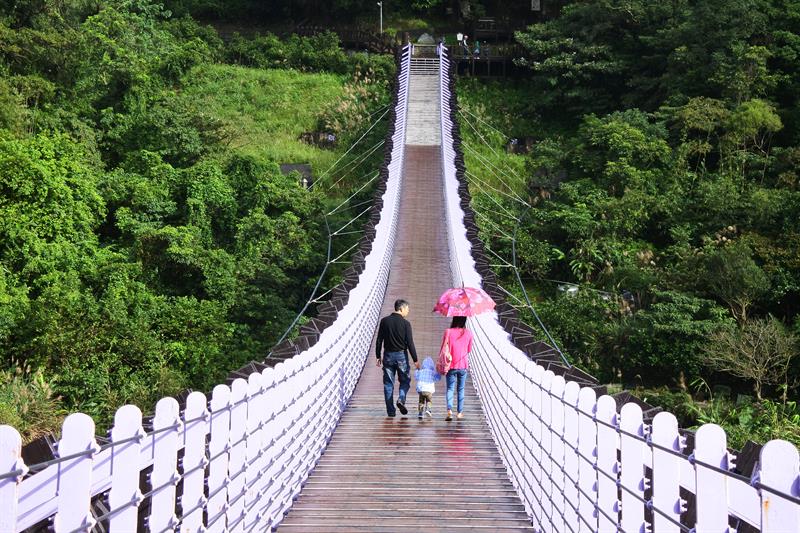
x: 459, y: 322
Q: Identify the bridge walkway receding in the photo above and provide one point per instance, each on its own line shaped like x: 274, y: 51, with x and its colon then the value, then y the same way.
x: 391, y: 474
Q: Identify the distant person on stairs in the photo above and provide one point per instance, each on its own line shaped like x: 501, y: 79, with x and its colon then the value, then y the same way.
x: 394, y: 336
x: 460, y: 340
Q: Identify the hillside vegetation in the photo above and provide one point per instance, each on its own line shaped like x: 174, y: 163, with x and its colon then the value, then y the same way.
x: 663, y: 185
x: 148, y: 240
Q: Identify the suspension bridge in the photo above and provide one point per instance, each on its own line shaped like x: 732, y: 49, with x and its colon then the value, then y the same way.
x: 301, y: 442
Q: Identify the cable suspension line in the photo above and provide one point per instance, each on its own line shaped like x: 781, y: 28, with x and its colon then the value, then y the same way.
x: 327, y: 172
x: 475, y: 177
x: 481, y: 136
x: 493, y: 224
x: 328, y: 261
x: 344, y: 253
x: 335, y: 233
x: 354, y: 194
x: 487, y: 164
x: 483, y: 160
x: 503, y: 211
x: 363, y: 158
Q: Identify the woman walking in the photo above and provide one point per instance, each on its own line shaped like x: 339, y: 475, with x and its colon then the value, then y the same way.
x: 459, y: 339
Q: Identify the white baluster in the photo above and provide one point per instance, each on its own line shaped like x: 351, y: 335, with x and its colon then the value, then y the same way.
x: 666, y: 473
x: 267, y: 434
x: 125, y: 469
x: 571, y: 463
x: 557, y: 423
x: 196, y: 428
x: 294, y: 441
x: 10, y: 460
x: 587, y: 444
x: 711, y: 487
x: 536, y: 445
x: 548, y: 466
x: 531, y: 481
x: 278, y: 401
x: 780, y: 471
x: 218, y: 447
x: 252, y: 446
x: 517, y: 420
x: 164, y: 478
x: 607, y: 446
x: 237, y: 458
x: 75, y: 475
x: 632, y: 477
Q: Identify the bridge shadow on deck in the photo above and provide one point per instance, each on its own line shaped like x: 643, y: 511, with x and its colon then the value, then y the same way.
x: 380, y: 474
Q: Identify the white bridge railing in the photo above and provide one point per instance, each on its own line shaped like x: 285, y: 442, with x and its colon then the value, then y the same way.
x: 233, y: 462
x: 577, y: 462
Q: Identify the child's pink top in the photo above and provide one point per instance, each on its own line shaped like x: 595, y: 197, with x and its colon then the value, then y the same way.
x: 460, y: 345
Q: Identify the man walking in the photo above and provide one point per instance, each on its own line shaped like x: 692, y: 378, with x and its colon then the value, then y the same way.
x: 394, y: 335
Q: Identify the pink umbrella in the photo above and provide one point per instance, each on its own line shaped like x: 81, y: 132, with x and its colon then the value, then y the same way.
x: 463, y: 301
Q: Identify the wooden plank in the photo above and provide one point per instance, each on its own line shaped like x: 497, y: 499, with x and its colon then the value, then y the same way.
x: 380, y: 473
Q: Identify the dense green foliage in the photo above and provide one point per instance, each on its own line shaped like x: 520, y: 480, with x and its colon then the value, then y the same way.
x: 663, y: 184
x: 148, y: 240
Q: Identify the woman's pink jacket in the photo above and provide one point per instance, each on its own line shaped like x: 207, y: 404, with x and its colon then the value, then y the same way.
x: 460, y: 345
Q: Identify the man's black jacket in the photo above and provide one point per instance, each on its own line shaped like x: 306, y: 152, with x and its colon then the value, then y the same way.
x: 394, y: 334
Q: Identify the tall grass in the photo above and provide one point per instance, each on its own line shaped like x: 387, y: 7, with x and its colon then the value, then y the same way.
x: 490, y: 114
x: 28, y: 402
x: 267, y: 110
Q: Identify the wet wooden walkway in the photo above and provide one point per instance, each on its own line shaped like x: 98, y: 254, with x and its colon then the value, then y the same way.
x: 382, y: 474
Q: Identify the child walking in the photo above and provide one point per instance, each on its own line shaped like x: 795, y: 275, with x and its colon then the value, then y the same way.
x: 426, y: 377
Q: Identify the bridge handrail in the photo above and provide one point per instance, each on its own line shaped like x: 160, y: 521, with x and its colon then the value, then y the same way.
x: 579, y: 463
x: 239, y: 457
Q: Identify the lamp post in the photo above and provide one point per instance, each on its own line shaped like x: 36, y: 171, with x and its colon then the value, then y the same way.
x: 380, y: 5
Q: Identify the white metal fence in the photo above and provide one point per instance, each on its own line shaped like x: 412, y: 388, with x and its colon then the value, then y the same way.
x: 577, y: 462
x: 233, y: 462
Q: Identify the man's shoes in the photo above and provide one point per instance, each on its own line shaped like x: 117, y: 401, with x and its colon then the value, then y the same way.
x: 402, y: 407
x: 428, y: 412
x: 449, y: 415
x: 390, y: 416
x: 419, y: 415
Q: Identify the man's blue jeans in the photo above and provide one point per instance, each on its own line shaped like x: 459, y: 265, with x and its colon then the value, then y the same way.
x: 395, y: 362
x: 456, y: 375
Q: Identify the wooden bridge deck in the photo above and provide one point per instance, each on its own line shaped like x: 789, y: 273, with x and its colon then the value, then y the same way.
x: 383, y: 474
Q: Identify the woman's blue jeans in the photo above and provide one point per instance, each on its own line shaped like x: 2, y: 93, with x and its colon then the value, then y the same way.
x: 456, y: 377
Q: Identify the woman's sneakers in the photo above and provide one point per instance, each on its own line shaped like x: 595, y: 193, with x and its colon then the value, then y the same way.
x: 449, y: 415
x: 460, y: 416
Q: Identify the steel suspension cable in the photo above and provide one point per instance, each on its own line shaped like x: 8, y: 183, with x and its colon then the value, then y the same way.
x: 484, y: 183
x: 357, y: 162
x: 327, y: 172
x: 484, y: 161
x: 513, y: 238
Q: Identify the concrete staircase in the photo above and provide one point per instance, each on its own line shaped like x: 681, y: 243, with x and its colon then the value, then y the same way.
x: 423, y: 122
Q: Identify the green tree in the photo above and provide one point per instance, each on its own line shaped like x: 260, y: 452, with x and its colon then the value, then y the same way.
x: 761, y: 351
x: 735, y: 278
x: 665, y: 340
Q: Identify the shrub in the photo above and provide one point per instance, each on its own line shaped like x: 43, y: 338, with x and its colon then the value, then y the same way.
x: 318, y: 53
x: 28, y: 403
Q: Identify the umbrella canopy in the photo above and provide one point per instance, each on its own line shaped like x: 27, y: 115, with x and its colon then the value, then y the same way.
x: 463, y: 301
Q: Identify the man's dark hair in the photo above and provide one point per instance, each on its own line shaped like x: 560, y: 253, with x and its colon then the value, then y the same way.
x: 459, y: 322
x: 399, y: 304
